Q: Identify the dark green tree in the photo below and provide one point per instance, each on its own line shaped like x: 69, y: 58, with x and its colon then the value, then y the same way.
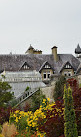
x: 5, y: 94
x: 70, y: 126
x: 59, y: 88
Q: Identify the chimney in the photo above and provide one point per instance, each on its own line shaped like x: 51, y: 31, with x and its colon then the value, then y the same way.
x: 54, y: 52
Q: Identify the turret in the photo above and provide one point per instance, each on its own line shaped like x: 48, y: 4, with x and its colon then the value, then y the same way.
x: 30, y: 50
x: 78, y: 51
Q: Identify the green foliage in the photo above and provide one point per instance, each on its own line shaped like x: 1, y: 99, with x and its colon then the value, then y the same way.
x: 59, y: 88
x: 13, y: 102
x: 36, y: 100
x: 70, y: 126
x: 0, y: 128
x: 27, y: 89
x: 5, y: 94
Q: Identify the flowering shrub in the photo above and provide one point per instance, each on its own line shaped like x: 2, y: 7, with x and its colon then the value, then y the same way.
x: 47, y: 120
x: 5, y: 114
x: 54, y: 123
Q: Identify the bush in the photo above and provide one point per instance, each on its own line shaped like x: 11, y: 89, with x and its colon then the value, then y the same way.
x: 48, y: 119
x: 8, y: 130
x: 5, y: 114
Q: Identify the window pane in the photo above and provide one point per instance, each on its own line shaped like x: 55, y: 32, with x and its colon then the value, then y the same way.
x: 44, y: 76
x: 48, y: 75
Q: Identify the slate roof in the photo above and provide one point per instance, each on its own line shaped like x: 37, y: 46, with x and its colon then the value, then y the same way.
x: 79, y: 67
x: 35, y: 61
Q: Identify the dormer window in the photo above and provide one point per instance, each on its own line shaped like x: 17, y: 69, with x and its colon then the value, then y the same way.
x: 68, y: 66
x: 25, y: 66
x: 46, y: 66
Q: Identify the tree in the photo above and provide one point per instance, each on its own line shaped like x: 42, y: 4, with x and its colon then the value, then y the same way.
x: 70, y: 126
x: 5, y: 94
x: 76, y: 92
x: 59, y: 88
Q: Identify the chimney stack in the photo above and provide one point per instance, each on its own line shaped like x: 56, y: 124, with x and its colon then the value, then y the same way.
x: 54, y: 52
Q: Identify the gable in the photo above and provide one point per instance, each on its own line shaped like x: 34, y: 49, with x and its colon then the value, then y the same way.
x: 66, y: 66
x: 25, y: 66
x: 45, y: 65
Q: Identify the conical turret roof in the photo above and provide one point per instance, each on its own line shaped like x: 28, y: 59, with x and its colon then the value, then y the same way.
x: 78, y: 49
x: 30, y: 47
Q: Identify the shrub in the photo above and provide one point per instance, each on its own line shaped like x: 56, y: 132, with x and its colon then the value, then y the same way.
x: 5, y: 114
x: 9, y: 130
x: 48, y: 119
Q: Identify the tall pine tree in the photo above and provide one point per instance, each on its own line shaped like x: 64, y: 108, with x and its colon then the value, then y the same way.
x: 70, y: 126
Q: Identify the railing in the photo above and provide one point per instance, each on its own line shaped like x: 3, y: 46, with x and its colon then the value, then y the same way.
x: 25, y: 95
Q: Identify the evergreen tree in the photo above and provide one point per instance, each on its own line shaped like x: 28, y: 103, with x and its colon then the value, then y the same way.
x: 59, y: 88
x: 70, y: 126
x: 5, y: 94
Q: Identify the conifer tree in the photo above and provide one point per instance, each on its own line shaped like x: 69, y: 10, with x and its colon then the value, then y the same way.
x: 70, y: 126
x: 5, y: 94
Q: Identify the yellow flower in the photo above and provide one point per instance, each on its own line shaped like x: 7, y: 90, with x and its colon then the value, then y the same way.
x: 17, y: 111
x: 19, y: 117
x: 16, y: 119
x: 48, y: 99
x: 14, y: 115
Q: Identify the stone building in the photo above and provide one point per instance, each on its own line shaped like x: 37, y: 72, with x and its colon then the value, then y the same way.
x: 46, y: 64
x: 33, y: 69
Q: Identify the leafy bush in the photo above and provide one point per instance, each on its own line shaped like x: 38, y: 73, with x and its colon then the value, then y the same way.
x: 5, y: 114
x: 48, y: 119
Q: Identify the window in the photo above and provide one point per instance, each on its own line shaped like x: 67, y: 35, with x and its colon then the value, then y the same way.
x: 44, y: 75
x: 48, y: 74
x: 26, y: 67
x: 74, y: 72
x: 65, y: 74
x: 67, y: 66
x: 46, y: 66
x: 26, y: 95
x: 69, y: 74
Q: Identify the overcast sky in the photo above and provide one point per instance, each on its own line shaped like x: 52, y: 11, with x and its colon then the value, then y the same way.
x: 41, y: 23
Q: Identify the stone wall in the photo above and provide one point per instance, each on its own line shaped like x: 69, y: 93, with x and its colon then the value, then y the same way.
x: 48, y: 92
